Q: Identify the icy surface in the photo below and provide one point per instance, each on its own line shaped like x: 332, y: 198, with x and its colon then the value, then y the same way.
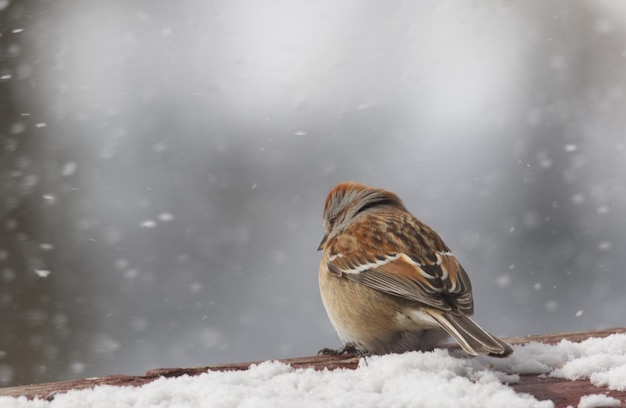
x: 433, y: 379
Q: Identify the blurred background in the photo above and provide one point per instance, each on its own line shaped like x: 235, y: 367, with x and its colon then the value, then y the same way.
x: 163, y: 168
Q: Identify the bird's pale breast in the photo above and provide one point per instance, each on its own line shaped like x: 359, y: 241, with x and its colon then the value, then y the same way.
x: 372, y: 320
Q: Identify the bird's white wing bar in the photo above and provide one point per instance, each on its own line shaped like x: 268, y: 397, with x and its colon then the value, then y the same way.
x: 371, y: 265
x: 418, y: 266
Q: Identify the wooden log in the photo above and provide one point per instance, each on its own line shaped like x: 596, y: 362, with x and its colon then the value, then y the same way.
x: 561, y: 392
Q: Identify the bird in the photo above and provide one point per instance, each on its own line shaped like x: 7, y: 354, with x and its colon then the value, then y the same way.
x: 389, y: 283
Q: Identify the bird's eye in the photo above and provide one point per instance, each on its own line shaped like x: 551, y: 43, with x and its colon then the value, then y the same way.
x: 331, y: 222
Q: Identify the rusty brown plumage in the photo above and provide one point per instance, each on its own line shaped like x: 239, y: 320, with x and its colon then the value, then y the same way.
x: 388, y: 281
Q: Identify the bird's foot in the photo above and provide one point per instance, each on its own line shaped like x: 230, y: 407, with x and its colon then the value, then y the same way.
x: 347, y: 350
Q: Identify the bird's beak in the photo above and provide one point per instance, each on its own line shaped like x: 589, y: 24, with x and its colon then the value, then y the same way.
x: 323, y: 243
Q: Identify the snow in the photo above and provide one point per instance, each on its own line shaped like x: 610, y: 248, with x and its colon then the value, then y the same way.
x: 42, y: 273
x: 69, y: 168
x: 598, y: 400
x: 148, y: 224
x: 432, y: 379
x: 165, y: 217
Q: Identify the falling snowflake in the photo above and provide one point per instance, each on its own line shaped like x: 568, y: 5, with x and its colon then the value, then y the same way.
x: 42, y: 273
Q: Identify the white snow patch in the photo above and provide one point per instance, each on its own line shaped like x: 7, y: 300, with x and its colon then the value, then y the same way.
x: 598, y: 400
x: 413, y: 379
x: 432, y: 379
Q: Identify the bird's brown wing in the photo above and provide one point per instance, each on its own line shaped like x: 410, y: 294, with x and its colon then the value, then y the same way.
x: 437, y: 280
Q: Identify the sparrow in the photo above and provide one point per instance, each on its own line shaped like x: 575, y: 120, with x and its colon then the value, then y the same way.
x: 388, y: 281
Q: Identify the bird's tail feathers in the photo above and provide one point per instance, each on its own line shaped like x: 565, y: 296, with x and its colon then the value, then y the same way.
x: 472, y: 338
